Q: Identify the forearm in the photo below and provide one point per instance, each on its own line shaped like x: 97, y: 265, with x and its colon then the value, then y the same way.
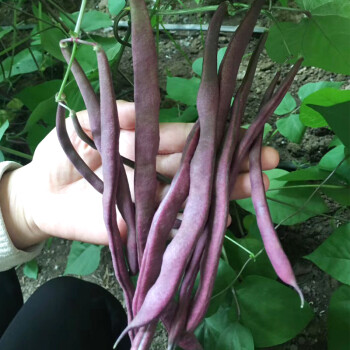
x: 14, y: 207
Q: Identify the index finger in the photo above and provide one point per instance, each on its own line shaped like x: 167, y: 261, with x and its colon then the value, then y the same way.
x: 126, y: 115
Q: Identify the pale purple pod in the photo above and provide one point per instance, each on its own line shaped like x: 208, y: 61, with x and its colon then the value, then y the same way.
x: 147, y: 101
x: 71, y: 153
x: 124, y: 200
x: 221, y: 197
x: 178, y: 324
x: 163, y: 221
x: 257, y: 126
x: 274, y: 250
x: 196, y: 211
x: 230, y: 64
x: 111, y: 168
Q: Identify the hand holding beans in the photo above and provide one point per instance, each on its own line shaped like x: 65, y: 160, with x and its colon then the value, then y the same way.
x: 60, y: 203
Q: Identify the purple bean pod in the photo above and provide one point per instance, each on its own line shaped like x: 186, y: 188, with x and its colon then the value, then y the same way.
x: 147, y: 101
x: 72, y: 154
x: 111, y: 168
x: 274, y: 250
x: 257, y: 126
x: 196, y: 211
x: 163, y: 221
x: 178, y: 324
x: 221, y: 197
x: 144, y: 337
x: 88, y: 94
x: 230, y: 64
x: 124, y: 200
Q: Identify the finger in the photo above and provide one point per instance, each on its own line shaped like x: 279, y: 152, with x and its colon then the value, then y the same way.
x: 242, y: 188
x: 126, y: 115
x: 168, y: 164
x: 173, y: 137
x: 269, y: 159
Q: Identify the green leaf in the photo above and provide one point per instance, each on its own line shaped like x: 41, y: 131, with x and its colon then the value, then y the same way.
x: 50, y: 39
x: 33, y: 95
x: 331, y: 160
x: 335, y: 142
x: 286, y: 202
x: 235, y: 337
x: 31, y: 269
x: 224, y: 278
x: 326, y: 7
x: 323, y: 40
x: 284, y: 2
x: 333, y: 255
x: 50, y: 36
x: 197, y: 65
x: 291, y: 127
x: 339, y: 319
x: 238, y: 257
x: 93, y: 20
x: 3, y: 128
x: 2, y: 157
x: 325, y: 97
x: 83, y: 259
x: 45, y: 110
x: 287, y: 105
x: 340, y: 195
x: 212, y: 327
x: 183, y: 90
x: 338, y: 118
x: 310, y: 88
x: 115, y: 6
x: 174, y: 115
x: 271, y: 311
x: 3, y: 32
x: 23, y: 63
x: 311, y: 173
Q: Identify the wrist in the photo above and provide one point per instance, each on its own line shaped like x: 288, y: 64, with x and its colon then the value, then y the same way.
x: 15, y: 205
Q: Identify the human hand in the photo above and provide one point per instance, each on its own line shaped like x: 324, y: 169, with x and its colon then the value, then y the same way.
x: 54, y: 200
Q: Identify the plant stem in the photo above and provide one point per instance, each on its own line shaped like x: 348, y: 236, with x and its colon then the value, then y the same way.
x: 80, y: 17
x: 238, y: 220
x: 238, y: 275
x: 251, y: 254
x: 74, y: 49
x: 336, y: 187
x: 16, y: 153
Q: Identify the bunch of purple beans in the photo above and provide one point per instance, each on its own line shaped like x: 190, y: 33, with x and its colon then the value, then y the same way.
x: 207, y: 174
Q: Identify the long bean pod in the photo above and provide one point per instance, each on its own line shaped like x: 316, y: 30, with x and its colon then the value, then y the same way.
x: 124, y: 200
x: 147, y: 101
x: 196, y: 211
x: 111, y: 168
x: 274, y: 250
x: 71, y: 153
x: 221, y: 196
x: 230, y: 63
x: 257, y: 126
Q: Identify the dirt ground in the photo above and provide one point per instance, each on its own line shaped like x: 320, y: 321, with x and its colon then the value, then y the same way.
x: 298, y: 240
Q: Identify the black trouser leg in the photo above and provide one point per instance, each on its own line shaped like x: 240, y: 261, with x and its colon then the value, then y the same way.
x: 11, y: 298
x: 65, y: 314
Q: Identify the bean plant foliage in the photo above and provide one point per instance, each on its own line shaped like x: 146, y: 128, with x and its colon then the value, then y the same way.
x: 248, y: 305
